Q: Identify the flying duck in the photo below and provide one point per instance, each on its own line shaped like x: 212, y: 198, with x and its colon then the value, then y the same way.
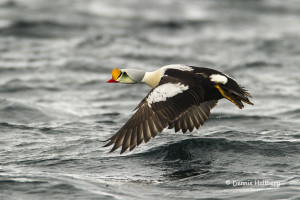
x: 181, y: 98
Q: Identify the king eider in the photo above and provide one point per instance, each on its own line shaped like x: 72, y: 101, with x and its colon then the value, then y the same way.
x: 181, y: 98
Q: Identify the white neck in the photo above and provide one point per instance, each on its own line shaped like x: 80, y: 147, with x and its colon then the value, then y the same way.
x: 152, y: 78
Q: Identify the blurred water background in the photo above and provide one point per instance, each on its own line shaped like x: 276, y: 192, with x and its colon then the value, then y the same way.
x: 56, y: 109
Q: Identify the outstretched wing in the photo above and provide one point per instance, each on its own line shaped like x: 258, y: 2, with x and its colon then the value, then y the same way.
x: 164, y: 104
x: 194, y: 117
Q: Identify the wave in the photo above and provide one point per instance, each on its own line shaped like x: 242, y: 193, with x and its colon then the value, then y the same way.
x: 213, y: 158
x: 5, y: 125
x: 17, y: 112
x: 194, y: 148
x: 41, y: 28
x: 14, y: 112
x: 256, y: 64
x: 234, y: 117
x: 18, y: 85
x: 294, y: 114
x: 56, y: 187
x: 178, y: 24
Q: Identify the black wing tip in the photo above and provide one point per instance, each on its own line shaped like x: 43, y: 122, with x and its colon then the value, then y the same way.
x: 132, y: 147
x: 122, y: 151
x: 108, y: 144
x: 114, y: 148
x: 124, y: 148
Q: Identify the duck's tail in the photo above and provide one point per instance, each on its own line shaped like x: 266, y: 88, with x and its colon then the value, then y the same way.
x: 234, y: 93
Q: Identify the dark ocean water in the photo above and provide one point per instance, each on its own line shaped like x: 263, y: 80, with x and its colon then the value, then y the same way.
x: 56, y: 109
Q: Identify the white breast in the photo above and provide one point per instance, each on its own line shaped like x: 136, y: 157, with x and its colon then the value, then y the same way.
x: 162, y: 92
x: 152, y: 78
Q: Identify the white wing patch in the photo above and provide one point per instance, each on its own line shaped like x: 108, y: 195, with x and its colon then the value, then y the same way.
x: 218, y: 78
x: 162, y: 92
x: 178, y: 66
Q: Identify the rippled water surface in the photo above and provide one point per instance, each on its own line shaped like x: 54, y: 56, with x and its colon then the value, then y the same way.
x: 56, y: 109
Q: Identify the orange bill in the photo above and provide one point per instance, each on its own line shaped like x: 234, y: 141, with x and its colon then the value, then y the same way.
x: 115, y: 75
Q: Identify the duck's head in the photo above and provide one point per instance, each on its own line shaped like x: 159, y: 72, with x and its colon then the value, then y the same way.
x: 126, y: 76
